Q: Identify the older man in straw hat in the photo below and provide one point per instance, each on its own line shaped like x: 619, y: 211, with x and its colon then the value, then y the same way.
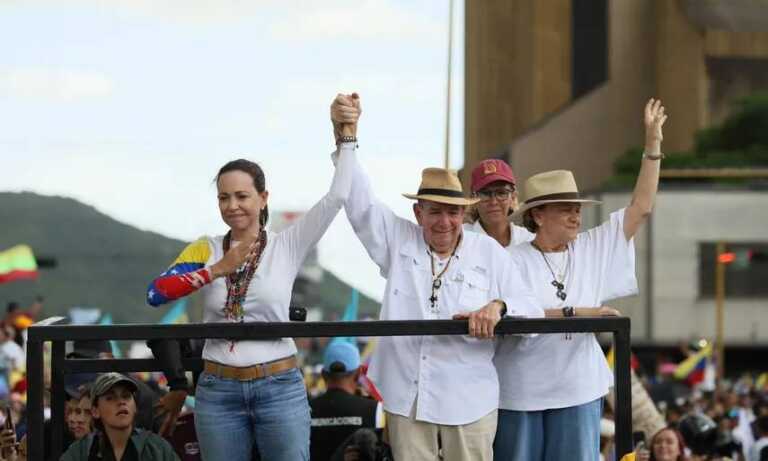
x: 436, y: 387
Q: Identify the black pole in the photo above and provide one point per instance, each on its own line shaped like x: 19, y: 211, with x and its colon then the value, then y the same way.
x: 623, y: 382
x: 649, y: 279
x: 35, y: 399
x: 58, y: 401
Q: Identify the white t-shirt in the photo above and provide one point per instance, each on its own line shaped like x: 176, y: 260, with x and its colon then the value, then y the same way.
x: 519, y: 234
x: 754, y: 452
x: 550, y: 371
x: 14, y: 355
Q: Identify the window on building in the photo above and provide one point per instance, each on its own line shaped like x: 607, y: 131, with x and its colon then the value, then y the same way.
x: 746, y: 269
x: 590, y: 45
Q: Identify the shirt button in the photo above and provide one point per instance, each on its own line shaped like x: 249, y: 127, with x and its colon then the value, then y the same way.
x: 415, y: 381
x: 423, y: 357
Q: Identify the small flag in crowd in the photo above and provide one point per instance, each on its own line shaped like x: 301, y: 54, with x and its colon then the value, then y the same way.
x: 693, y: 369
x: 17, y: 263
x: 116, y: 352
x: 350, y: 314
x: 176, y: 315
x: 610, y: 357
x: 761, y: 383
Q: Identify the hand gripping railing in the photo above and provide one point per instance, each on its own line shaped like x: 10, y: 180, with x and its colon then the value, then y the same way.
x: 59, y: 334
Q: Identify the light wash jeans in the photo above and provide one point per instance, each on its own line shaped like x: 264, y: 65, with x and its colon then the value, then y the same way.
x: 562, y: 434
x: 272, y: 412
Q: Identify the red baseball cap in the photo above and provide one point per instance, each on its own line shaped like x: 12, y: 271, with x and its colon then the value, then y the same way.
x: 491, y: 170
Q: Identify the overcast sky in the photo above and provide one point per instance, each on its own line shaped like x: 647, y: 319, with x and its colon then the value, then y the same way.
x: 132, y: 105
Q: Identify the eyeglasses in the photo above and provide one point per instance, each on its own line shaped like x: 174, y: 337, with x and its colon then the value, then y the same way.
x: 500, y: 194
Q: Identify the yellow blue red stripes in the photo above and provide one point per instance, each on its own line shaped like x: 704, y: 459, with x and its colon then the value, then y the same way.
x: 192, y: 258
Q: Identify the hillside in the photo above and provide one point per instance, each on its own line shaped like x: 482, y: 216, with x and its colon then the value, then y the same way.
x: 102, y: 262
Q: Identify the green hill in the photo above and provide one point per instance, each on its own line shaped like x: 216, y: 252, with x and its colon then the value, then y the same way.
x: 105, y: 263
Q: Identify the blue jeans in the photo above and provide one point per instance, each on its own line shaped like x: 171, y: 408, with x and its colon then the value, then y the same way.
x: 272, y: 412
x: 561, y: 434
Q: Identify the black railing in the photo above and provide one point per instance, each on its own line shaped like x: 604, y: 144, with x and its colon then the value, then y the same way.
x: 60, y: 365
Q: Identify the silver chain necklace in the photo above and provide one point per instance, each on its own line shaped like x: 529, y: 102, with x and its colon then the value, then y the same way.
x: 558, y: 283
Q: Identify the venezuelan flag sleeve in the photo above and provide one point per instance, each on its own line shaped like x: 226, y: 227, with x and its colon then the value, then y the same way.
x: 187, y: 274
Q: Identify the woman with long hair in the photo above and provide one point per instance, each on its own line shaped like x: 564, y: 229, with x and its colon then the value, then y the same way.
x: 251, y: 392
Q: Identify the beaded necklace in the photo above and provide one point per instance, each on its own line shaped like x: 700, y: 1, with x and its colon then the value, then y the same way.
x: 239, y: 280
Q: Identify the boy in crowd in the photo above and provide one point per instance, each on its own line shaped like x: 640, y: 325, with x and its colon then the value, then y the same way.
x: 114, y: 412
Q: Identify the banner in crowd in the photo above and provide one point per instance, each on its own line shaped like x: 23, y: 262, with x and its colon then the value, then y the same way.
x: 645, y: 415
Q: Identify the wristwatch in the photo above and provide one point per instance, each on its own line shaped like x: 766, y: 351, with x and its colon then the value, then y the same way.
x: 569, y: 311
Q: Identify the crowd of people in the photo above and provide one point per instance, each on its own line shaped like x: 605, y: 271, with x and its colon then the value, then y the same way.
x: 454, y: 397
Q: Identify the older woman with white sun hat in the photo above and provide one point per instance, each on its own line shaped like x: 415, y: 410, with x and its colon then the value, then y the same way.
x: 552, y: 385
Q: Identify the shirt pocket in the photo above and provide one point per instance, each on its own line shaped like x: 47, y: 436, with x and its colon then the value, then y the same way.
x: 403, y: 290
x: 475, y: 291
x: 404, y: 282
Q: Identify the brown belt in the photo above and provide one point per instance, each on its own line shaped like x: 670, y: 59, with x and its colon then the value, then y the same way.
x: 260, y: 370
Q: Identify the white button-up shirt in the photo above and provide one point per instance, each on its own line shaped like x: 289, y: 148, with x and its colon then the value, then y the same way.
x: 269, y: 293
x: 450, y: 379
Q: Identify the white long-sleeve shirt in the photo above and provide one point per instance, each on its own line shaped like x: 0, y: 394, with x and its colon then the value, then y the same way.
x: 269, y: 293
x: 450, y: 379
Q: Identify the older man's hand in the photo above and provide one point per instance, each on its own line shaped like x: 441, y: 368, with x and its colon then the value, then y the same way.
x: 482, y: 322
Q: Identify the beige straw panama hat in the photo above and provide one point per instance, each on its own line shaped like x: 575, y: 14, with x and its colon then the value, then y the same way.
x: 442, y: 186
x: 556, y: 186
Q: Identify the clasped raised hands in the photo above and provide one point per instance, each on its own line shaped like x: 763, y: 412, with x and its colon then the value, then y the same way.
x: 345, y: 112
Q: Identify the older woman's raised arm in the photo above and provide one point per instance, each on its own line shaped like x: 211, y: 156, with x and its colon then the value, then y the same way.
x: 648, y: 178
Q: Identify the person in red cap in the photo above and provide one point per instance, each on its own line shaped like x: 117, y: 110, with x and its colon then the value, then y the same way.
x: 493, y: 182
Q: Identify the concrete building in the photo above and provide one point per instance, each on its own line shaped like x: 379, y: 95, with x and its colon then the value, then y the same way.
x: 675, y: 265
x: 562, y: 83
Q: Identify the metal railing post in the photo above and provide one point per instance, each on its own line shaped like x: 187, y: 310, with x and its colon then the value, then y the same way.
x: 57, y: 390
x: 623, y: 410
x: 35, y: 399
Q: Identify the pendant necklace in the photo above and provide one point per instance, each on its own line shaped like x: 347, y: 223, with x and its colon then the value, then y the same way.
x: 437, y: 280
x: 559, y: 284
